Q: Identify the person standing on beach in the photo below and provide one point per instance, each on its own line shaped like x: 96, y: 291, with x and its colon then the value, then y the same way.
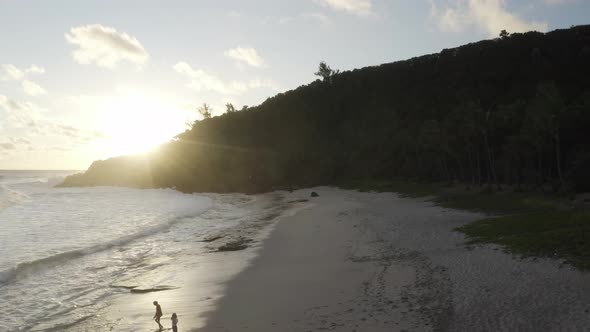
x: 158, y: 314
x: 174, y: 320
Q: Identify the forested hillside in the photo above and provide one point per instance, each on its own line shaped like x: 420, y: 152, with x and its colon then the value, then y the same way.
x: 509, y: 111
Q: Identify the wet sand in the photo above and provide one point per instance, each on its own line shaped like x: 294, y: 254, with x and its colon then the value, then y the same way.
x: 356, y: 261
x: 377, y: 262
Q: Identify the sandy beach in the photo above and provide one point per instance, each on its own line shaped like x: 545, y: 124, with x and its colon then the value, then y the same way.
x: 350, y: 261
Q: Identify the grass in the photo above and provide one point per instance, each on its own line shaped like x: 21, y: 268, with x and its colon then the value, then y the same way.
x: 525, y: 224
x: 405, y: 188
x: 549, y: 233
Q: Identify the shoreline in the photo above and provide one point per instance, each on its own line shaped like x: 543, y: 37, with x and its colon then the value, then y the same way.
x: 354, y: 261
x: 378, y: 262
x: 194, y: 280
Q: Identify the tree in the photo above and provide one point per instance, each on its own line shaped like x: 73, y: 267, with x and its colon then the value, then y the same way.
x: 229, y: 108
x: 205, y: 111
x: 543, y: 125
x: 325, y: 71
x: 504, y: 34
x: 244, y: 108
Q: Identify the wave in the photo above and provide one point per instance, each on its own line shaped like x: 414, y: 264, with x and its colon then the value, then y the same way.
x: 9, y: 197
x: 25, y: 269
x: 33, y: 177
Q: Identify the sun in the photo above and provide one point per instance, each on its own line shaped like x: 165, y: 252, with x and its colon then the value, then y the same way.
x: 136, y: 123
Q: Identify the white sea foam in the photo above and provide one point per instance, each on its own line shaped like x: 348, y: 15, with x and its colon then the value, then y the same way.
x: 60, y: 248
x: 10, y: 197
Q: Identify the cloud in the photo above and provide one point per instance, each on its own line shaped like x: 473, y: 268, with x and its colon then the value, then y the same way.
x: 27, y: 116
x: 16, y: 106
x: 234, y: 14
x: 10, y: 72
x: 263, y: 83
x: 34, y: 69
x: 19, y: 140
x: 105, y: 46
x: 7, y: 146
x: 356, y: 7
x: 73, y: 134
x: 321, y: 18
x: 33, y: 89
x: 14, y: 143
x: 490, y: 16
x: 201, y: 80
x: 245, y: 55
x: 313, y: 16
x: 19, y: 114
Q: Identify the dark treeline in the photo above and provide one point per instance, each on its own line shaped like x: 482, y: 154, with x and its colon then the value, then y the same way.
x: 509, y: 111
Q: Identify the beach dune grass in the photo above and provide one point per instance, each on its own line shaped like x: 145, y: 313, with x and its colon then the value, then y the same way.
x: 528, y: 224
x: 548, y: 233
x: 461, y: 196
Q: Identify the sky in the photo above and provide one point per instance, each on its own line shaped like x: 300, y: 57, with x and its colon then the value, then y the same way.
x: 88, y: 80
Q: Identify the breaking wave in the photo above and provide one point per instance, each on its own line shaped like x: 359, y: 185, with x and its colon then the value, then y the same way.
x: 25, y: 269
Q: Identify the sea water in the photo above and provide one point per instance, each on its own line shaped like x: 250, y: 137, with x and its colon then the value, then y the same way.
x: 65, y: 251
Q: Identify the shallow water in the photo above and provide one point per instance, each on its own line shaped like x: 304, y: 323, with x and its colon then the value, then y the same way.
x: 65, y: 252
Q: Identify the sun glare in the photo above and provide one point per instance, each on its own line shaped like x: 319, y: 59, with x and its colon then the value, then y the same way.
x: 136, y: 123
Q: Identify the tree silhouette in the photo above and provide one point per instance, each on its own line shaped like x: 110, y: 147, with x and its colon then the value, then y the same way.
x: 325, y: 72
x: 478, y: 113
x: 229, y: 108
x: 504, y: 34
x: 205, y: 111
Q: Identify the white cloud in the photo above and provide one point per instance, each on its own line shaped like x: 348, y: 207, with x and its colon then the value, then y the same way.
x: 19, y: 114
x: 15, y: 106
x: 105, y: 46
x: 7, y: 145
x: 10, y: 72
x: 491, y: 16
x: 15, y: 143
x: 200, y: 80
x: 356, y: 7
x: 19, y: 140
x: 263, y: 83
x: 13, y: 73
x: 34, y: 69
x: 313, y: 16
x: 33, y: 89
x: 246, y: 55
x: 234, y: 14
x: 323, y: 19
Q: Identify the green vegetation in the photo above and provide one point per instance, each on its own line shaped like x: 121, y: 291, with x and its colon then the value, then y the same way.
x: 512, y: 112
x: 526, y: 224
x: 464, y: 197
x: 508, y: 111
x: 205, y: 111
x: 547, y: 233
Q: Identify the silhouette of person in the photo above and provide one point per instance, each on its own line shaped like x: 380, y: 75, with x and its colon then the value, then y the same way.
x: 174, y: 320
x: 158, y: 314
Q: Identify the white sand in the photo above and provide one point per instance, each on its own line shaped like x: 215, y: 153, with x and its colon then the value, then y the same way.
x: 369, y: 262
x: 376, y: 262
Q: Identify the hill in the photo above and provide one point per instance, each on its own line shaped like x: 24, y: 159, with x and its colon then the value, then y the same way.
x: 513, y: 110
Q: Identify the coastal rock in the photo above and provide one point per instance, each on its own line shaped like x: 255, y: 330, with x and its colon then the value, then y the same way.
x: 314, y: 194
x: 235, y: 245
x: 211, y: 238
x: 141, y: 290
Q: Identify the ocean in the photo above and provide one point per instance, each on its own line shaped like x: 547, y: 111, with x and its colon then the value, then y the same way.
x: 65, y: 253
